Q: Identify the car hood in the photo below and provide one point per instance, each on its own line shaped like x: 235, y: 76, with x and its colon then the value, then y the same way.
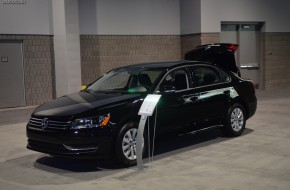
x: 79, y: 103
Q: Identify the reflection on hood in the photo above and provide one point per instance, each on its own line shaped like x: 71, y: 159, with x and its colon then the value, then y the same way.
x: 79, y: 103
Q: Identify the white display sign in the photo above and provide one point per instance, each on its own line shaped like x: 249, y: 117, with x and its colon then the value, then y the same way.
x: 149, y: 104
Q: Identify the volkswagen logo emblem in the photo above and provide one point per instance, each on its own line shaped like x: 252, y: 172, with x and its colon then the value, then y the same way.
x: 44, y: 123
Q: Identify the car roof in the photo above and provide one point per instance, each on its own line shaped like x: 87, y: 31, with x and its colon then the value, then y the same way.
x: 167, y: 64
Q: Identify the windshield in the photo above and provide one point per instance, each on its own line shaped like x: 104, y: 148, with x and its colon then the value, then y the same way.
x: 126, y: 80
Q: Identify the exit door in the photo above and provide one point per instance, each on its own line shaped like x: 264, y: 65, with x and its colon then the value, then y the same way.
x: 248, y: 56
x: 11, y: 75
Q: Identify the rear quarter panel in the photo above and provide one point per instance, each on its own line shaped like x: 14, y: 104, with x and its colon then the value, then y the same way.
x: 247, y: 96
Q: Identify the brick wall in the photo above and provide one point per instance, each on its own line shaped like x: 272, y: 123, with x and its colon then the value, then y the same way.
x: 277, y: 60
x: 188, y: 42
x: 191, y: 41
x: 38, y: 61
x: 101, y: 53
x: 209, y: 38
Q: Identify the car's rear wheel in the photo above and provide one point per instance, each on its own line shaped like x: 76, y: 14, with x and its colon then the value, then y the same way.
x: 126, y: 145
x: 235, y: 121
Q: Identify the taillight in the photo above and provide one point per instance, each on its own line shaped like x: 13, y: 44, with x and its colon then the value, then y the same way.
x: 254, y: 86
x: 232, y: 47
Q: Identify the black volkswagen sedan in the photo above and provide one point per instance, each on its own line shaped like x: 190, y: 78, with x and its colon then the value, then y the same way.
x: 102, y: 120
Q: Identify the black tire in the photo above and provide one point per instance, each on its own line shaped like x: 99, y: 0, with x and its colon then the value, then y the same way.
x: 235, y: 121
x: 125, y: 132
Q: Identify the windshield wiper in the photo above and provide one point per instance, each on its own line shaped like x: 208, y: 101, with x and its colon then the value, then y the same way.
x: 113, y: 92
x: 86, y: 90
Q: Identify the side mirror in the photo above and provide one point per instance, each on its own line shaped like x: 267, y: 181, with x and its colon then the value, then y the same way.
x: 167, y: 89
x: 84, y: 87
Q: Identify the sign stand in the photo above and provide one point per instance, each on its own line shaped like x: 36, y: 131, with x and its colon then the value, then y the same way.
x: 146, y: 109
x: 140, y: 142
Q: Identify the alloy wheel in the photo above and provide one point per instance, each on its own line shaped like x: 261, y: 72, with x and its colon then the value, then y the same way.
x: 129, y: 143
x: 237, y: 119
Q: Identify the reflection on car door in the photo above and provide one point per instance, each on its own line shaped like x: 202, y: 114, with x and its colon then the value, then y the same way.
x: 171, y: 109
x: 211, y: 95
x: 201, y: 103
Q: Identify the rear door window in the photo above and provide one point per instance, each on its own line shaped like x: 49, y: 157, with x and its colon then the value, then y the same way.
x: 204, y: 76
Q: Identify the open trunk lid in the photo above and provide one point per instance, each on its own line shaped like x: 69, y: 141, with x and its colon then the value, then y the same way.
x: 221, y: 54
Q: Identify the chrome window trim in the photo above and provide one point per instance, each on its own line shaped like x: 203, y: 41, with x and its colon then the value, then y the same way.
x: 195, y: 87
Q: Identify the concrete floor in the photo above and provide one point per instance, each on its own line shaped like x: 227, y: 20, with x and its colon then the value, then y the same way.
x: 259, y: 159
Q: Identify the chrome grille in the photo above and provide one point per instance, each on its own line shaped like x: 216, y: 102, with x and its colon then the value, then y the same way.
x: 46, y: 123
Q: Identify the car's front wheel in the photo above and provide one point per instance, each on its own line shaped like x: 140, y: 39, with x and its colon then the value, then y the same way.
x: 235, y: 121
x: 126, y: 145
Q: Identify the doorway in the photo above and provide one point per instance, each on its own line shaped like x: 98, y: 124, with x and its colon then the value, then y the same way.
x: 11, y: 75
x: 248, y: 56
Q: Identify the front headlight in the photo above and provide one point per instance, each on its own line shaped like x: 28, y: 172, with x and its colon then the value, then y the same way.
x: 93, y: 122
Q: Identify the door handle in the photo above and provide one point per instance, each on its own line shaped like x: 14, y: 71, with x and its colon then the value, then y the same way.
x: 181, y: 100
x: 191, y: 97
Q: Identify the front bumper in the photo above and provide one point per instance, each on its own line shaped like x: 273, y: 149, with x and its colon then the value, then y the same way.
x: 71, y: 143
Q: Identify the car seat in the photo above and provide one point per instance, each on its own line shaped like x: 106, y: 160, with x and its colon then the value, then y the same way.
x: 133, y: 81
x: 145, y: 80
x: 209, y: 78
x: 180, y: 81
